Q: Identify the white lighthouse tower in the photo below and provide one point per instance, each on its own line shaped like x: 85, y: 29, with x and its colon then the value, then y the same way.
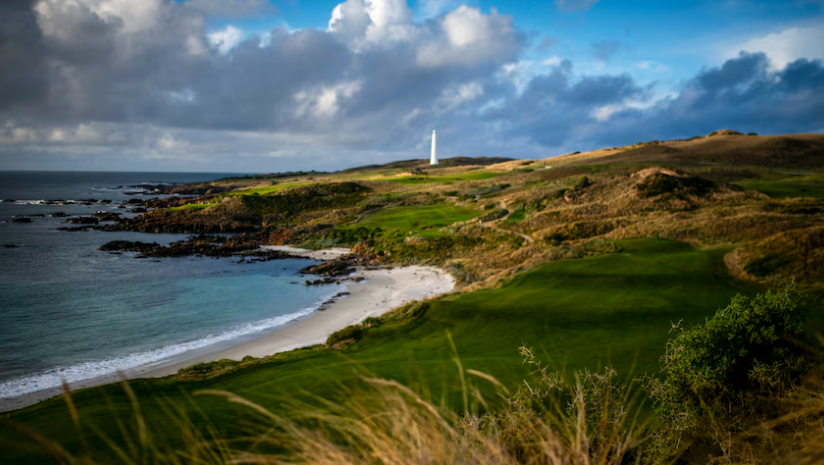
x: 434, y: 158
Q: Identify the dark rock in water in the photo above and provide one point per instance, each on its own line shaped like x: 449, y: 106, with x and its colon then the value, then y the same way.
x: 138, y: 210
x: 75, y: 229
x: 331, y: 301
x: 58, y: 215
x: 10, y: 246
x: 135, y: 202
x: 107, y: 216
x: 319, y: 282
x: 36, y: 215
x: 82, y: 220
x: 21, y: 220
x: 331, y: 268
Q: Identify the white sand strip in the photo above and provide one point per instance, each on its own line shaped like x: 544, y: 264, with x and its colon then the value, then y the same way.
x: 325, y: 254
x: 384, y: 289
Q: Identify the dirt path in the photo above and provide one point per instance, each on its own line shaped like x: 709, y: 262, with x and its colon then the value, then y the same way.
x: 490, y: 225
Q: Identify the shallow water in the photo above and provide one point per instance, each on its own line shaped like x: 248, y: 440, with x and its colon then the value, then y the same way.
x: 69, y: 311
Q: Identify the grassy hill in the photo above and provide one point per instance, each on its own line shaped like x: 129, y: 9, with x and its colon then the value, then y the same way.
x: 588, y: 258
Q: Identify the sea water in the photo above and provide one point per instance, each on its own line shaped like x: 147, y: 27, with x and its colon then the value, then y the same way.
x: 71, y: 312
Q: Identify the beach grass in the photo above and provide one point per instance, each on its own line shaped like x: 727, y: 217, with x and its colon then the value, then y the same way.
x: 614, y: 309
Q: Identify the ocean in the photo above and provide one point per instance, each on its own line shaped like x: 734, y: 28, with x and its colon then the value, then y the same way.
x: 71, y: 312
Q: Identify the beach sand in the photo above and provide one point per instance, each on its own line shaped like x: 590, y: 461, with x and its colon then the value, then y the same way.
x: 383, y: 290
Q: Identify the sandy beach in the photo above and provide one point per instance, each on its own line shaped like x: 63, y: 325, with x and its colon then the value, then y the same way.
x: 383, y: 290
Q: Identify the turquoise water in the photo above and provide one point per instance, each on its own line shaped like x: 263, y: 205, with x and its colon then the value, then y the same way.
x: 69, y: 311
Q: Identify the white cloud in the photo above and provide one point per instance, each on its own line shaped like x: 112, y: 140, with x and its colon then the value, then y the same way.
x: 650, y: 65
x: 553, y: 61
x: 784, y: 47
x: 226, y: 39
x: 466, y: 26
x: 473, y: 38
x: 325, y: 102
x: 350, y: 19
x: 453, y: 98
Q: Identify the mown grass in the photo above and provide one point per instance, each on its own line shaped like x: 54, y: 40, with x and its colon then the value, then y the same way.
x: 267, y: 190
x: 792, y: 186
x: 615, y: 309
x: 516, y: 216
x: 424, y: 220
x: 192, y: 207
x: 468, y: 176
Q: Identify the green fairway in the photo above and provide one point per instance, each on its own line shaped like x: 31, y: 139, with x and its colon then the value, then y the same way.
x: 589, y: 312
x: 268, y: 189
x: 424, y: 220
x: 516, y: 216
x: 468, y: 176
x: 192, y: 206
x: 790, y: 186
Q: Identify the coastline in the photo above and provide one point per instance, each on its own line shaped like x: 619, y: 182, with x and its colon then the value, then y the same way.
x: 383, y: 290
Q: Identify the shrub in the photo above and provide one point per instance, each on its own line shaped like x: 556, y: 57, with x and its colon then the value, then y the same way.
x: 355, y: 333
x: 714, y: 374
x: 679, y: 187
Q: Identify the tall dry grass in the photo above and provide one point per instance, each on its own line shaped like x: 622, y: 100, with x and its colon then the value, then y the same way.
x: 583, y: 419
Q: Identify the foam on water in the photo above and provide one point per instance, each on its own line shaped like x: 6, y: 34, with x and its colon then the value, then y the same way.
x: 93, y: 369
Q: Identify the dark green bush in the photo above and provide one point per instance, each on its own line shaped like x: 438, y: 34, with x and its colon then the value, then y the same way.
x: 679, y: 187
x: 582, y: 183
x: 721, y: 372
x: 354, y: 333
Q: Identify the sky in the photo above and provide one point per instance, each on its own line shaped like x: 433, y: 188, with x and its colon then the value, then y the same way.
x: 267, y: 86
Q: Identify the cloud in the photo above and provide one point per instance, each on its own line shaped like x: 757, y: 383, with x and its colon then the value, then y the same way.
x: 226, y: 39
x: 575, y: 5
x: 786, y: 46
x: 651, y: 65
x: 151, y: 87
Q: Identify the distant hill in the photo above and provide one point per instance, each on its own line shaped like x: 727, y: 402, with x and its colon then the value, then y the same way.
x: 796, y: 150
x: 424, y: 163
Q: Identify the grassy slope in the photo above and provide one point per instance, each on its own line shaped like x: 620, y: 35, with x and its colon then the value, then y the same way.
x: 579, y: 313
x: 788, y: 186
x: 469, y: 176
x: 418, y: 218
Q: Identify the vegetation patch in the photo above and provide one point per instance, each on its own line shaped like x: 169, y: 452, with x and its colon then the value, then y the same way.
x: 673, y: 185
x: 721, y: 374
x: 424, y: 220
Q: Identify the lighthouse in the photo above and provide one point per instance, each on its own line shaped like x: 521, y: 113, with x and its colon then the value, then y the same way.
x: 434, y: 158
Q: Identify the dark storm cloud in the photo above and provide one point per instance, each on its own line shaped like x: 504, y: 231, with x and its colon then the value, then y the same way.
x: 744, y: 93
x: 160, y: 69
x: 553, y: 105
x: 23, y: 76
x: 741, y: 94
x: 84, y: 77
